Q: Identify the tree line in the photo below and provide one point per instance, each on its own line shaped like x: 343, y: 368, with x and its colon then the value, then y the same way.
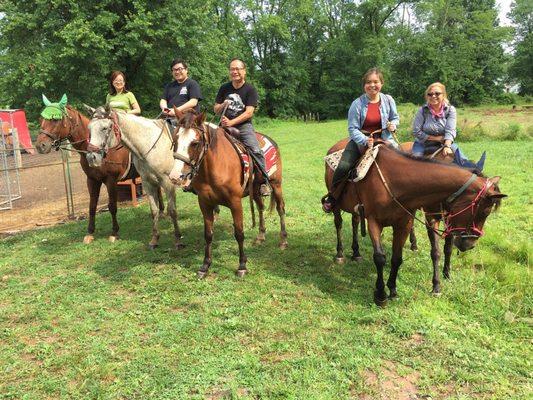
x: 304, y: 56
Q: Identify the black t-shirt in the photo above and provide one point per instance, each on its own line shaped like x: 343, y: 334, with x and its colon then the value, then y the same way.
x: 176, y: 93
x: 241, y: 98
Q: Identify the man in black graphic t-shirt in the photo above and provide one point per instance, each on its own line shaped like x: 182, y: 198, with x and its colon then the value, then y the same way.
x: 183, y: 92
x: 239, y: 99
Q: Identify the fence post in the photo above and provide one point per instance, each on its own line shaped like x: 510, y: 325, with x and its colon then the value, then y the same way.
x: 16, y: 147
x: 68, y: 183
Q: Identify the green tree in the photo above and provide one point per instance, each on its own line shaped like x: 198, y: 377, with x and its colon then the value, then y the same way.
x: 521, y: 69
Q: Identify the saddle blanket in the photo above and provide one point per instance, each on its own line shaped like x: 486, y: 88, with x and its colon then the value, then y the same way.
x: 364, y: 165
x: 270, y: 152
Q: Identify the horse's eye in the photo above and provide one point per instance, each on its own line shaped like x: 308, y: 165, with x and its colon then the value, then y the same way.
x: 195, y: 143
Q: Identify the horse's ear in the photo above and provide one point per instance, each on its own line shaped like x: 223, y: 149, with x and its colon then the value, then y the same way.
x: 63, y: 101
x: 46, y: 102
x: 481, y: 163
x: 494, y: 180
x: 107, y: 108
x: 200, y: 119
x: 496, y: 196
x: 178, y: 113
x: 89, y: 109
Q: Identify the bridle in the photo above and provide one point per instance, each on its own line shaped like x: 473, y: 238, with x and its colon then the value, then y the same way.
x: 54, y: 136
x: 471, y: 230
x: 115, y: 128
x: 195, y: 164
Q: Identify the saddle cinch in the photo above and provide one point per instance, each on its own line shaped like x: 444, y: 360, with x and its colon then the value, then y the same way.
x: 267, y: 147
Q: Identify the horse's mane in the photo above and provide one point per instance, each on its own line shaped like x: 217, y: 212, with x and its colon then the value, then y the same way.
x: 497, y: 201
x: 433, y: 161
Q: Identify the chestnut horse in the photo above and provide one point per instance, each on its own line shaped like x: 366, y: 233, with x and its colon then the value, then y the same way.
x: 208, y: 161
x: 346, y: 203
x: 391, y: 198
x: 63, y: 124
x: 435, y: 214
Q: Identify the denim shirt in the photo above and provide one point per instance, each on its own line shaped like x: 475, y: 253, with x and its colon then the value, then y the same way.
x: 426, y: 124
x: 357, y: 115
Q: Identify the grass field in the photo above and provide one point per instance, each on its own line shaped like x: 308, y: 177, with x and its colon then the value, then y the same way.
x: 116, y: 321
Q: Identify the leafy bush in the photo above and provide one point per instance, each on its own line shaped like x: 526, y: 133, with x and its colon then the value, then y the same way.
x: 512, y: 131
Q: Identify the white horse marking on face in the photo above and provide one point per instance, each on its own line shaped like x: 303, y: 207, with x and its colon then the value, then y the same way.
x: 185, y: 138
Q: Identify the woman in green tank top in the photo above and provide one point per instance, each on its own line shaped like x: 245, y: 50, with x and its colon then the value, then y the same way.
x: 119, y: 97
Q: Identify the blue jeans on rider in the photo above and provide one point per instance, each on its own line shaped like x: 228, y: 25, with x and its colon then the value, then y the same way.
x: 248, y: 138
x: 418, y: 150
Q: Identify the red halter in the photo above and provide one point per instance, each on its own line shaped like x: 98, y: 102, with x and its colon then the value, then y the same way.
x: 473, y: 206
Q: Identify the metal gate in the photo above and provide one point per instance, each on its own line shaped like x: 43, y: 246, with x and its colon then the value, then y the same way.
x: 10, y: 162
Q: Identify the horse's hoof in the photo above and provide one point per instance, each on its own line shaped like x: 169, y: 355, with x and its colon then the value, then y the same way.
x: 393, y: 296
x: 357, y: 258
x: 414, y: 247
x: 380, y: 300
x: 112, y: 239
x: 435, y: 293
x: 241, y: 272
x: 179, y: 246
x: 152, y: 246
x: 258, y: 240
x: 201, y: 274
x: 283, y: 245
x: 88, y: 239
x: 446, y: 275
x: 340, y: 260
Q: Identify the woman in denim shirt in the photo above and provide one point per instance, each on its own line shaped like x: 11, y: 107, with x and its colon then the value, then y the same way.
x: 373, y: 111
x: 435, y: 125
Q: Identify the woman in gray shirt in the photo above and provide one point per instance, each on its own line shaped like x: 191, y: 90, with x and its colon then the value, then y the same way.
x: 435, y: 125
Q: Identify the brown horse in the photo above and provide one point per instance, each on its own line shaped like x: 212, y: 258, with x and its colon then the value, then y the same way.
x: 73, y: 127
x: 347, y: 203
x: 434, y: 216
x: 391, y: 198
x: 208, y: 161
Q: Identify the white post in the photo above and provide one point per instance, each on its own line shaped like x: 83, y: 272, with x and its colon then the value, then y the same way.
x: 16, y: 147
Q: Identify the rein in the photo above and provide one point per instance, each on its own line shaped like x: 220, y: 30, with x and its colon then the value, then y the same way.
x: 448, y: 228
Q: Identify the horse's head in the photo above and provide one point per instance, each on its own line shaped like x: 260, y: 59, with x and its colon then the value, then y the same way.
x: 468, y: 213
x: 191, y: 145
x: 55, y: 125
x: 103, y: 134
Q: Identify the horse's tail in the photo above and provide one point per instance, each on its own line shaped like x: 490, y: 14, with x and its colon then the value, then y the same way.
x: 273, y: 202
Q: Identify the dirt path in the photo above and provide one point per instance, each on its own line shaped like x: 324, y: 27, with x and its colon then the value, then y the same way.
x: 42, y: 188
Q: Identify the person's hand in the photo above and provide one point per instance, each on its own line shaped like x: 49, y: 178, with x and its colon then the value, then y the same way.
x: 370, y: 142
x: 171, y: 112
x: 447, y: 151
x: 391, y: 127
x: 227, y: 103
x: 225, y: 121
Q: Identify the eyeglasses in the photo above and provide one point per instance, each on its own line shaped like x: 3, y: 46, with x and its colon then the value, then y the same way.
x: 436, y: 94
x: 235, y: 69
x: 179, y: 69
x: 118, y: 81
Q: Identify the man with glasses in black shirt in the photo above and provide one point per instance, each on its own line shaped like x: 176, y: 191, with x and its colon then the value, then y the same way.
x: 183, y: 92
x: 237, y: 101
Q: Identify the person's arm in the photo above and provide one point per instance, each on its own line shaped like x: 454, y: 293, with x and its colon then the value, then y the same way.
x: 354, y: 129
x: 185, y: 106
x: 134, y: 104
x: 394, y: 117
x: 219, y: 107
x: 450, y: 129
x: 418, y: 126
